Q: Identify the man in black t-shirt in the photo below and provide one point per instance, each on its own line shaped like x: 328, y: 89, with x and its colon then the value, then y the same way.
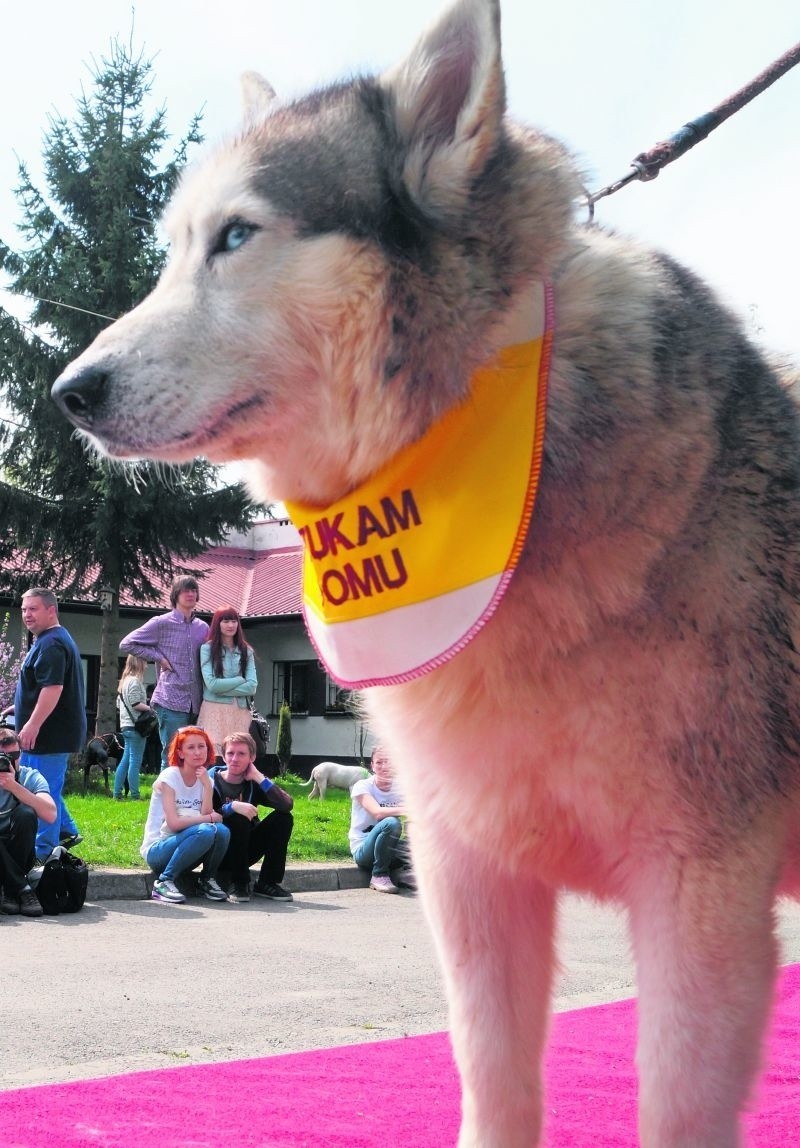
x: 50, y: 710
x: 239, y: 789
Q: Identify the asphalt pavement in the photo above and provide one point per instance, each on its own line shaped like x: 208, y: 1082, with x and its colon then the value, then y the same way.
x: 129, y: 983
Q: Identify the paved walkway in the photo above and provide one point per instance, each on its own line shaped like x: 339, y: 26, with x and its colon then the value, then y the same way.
x: 130, y: 983
x: 301, y: 877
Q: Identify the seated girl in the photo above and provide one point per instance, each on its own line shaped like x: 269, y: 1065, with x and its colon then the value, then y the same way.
x: 182, y: 828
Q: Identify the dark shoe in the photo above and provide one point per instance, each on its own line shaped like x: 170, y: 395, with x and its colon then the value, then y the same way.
x: 29, y: 904
x: 239, y: 893
x: 8, y: 904
x: 272, y: 892
x: 70, y: 840
x: 405, y: 879
x: 211, y: 890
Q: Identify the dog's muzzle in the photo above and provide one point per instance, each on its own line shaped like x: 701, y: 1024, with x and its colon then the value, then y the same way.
x: 81, y: 395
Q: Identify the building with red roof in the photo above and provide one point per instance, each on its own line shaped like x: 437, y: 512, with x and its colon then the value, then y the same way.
x: 260, y: 574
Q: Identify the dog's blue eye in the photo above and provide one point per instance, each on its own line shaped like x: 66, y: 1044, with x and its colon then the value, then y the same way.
x: 233, y: 236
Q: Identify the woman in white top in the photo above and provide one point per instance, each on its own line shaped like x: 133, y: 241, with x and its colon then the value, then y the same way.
x: 182, y: 827
x: 377, y: 839
x: 131, y: 701
x: 229, y: 677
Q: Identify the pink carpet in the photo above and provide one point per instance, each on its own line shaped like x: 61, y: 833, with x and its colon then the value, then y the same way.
x: 398, y: 1092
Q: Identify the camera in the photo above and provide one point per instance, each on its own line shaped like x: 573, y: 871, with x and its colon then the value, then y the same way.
x: 5, y: 764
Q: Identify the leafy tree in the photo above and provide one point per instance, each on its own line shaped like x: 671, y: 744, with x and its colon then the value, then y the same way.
x: 283, y: 740
x: 68, y: 518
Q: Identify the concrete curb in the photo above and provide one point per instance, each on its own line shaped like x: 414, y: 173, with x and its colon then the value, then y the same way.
x: 135, y: 884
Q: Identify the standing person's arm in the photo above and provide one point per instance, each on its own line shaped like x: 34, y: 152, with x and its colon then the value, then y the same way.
x: 142, y: 705
x: 238, y: 686
x: 45, y: 704
x: 251, y: 678
x: 213, y: 684
x: 145, y: 643
x: 225, y: 687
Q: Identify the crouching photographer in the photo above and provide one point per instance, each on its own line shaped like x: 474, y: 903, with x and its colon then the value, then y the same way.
x: 24, y: 798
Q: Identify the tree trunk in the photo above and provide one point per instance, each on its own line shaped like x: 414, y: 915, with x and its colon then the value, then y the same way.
x: 109, y: 672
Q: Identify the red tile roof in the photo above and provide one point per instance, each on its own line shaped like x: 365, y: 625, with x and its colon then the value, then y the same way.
x: 259, y: 583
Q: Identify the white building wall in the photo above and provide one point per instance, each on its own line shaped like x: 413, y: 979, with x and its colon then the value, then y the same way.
x: 325, y: 737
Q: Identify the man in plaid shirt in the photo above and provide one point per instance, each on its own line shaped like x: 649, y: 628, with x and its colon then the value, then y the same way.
x: 173, y: 642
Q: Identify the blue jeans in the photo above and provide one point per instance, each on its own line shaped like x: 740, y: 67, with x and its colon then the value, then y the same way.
x: 173, y: 855
x: 379, y: 848
x: 53, y: 768
x: 129, y: 763
x: 169, y: 722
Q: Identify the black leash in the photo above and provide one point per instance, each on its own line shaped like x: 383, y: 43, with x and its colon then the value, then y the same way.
x: 648, y: 164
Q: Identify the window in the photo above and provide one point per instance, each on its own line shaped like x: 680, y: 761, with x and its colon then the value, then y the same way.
x: 90, y: 664
x: 298, y: 684
x: 337, y: 699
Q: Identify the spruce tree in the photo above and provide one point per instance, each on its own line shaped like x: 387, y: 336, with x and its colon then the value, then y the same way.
x: 89, y: 253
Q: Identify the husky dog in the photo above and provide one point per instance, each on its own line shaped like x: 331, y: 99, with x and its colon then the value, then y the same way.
x: 338, y: 272
x: 329, y: 774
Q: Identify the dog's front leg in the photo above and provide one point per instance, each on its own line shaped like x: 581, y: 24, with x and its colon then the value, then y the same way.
x: 706, y: 957
x: 494, y: 932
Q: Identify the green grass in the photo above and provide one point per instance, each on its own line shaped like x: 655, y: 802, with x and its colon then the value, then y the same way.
x: 112, y: 830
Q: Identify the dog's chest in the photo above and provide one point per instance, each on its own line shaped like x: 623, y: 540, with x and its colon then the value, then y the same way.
x: 542, y: 778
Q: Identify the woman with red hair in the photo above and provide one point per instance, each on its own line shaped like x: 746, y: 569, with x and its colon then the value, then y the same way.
x: 182, y: 828
x: 228, y: 667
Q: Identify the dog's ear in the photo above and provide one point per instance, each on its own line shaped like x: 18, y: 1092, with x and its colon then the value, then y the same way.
x: 448, y: 98
x: 257, y: 96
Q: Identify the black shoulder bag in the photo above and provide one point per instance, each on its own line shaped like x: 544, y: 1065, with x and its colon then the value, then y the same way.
x: 143, y: 723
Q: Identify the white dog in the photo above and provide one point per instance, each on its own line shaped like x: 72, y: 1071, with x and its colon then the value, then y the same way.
x: 330, y: 773
x: 377, y: 292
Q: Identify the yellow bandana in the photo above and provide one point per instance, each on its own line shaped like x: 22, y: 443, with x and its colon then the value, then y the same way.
x: 402, y: 572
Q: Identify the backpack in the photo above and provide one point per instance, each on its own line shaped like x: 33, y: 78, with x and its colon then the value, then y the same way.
x: 63, y: 883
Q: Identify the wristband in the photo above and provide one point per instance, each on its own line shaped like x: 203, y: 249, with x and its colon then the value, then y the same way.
x: 266, y: 785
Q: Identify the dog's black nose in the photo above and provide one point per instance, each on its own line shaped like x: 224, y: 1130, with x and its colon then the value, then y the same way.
x: 80, y: 394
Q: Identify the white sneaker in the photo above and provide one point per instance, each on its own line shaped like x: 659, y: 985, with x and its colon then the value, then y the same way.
x: 383, y: 885
x: 164, y: 890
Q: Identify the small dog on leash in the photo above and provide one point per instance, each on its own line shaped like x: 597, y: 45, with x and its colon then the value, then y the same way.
x: 331, y: 774
x: 343, y: 273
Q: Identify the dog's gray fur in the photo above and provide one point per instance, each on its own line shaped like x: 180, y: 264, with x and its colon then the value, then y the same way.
x: 338, y: 270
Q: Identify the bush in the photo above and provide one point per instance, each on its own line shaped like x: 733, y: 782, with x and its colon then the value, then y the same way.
x: 283, y: 742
